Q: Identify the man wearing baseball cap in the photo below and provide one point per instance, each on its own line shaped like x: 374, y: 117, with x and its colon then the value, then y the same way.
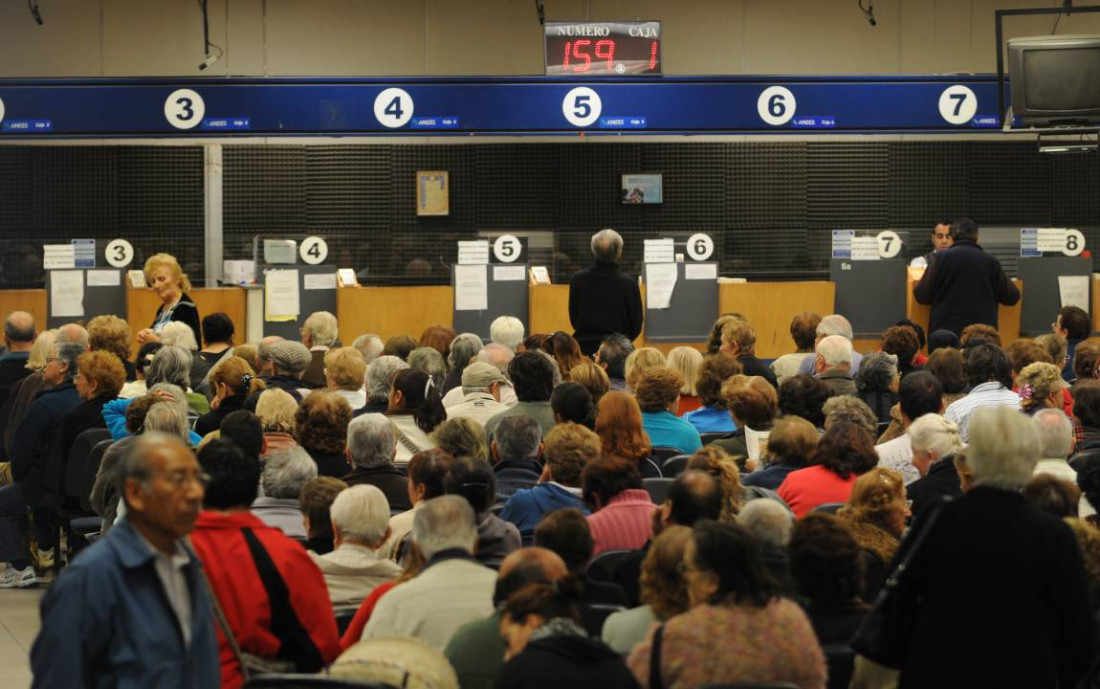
x: 288, y: 359
x: 481, y: 387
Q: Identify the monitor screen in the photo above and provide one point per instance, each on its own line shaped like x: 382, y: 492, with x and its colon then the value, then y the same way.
x: 1063, y: 79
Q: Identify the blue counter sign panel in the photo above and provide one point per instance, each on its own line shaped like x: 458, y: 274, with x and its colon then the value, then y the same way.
x: 842, y: 243
x: 83, y: 253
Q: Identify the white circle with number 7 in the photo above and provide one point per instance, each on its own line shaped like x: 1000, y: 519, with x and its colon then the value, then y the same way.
x: 958, y: 104
x: 776, y: 105
x: 507, y: 248
x: 582, y: 106
x: 700, y: 246
x: 889, y: 244
x: 393, y: 108
x: 1075, y: 243
x: 313, y: 250
x: 184, y: 109
x: 119, y: 253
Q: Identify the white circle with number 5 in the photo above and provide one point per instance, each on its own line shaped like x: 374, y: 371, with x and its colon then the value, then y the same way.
x: 393, y: 108
x: 507, y: 248
x: 1075, y: 243
x: 776, y: 105
x: 958, y: 104
x: 184, y: 109
x: 119, y: 253
x: 582, y: 106
x: 889, y: 244
x: 313, y: 250
x: 700, y: 246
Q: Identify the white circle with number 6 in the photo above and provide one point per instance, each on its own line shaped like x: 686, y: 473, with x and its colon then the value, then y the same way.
x: 393, y: 108
x: 313, y: 250
x: 889, y: 244
x: 184, y: 109
x: 1075, y: 243
x: 958, y: 104
x: 776, y: 105
x: 119, y: 253
x: 507, y: 248
x: 700, y: 246
x: 582, y: 106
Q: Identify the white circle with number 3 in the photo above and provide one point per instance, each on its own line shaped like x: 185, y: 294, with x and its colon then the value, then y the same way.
x: 313, y: 250
x: 1075, y: 243
x: 184, y: 109
x: 582, y: 106
x: 889, y: 244
x: 958, y: 104
x: 507, y: 248
x: 776, y: 105
x: 393, y: 108
x: 700, y: 246
x: 119, y: 253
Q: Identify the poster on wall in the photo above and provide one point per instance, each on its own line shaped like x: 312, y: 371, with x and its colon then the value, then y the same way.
x: 639, y: 189
x: 433, y: 192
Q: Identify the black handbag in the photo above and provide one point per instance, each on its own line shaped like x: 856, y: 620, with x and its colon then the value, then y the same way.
x: 884, y: 634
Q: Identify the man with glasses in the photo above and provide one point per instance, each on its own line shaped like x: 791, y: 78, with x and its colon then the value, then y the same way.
x: 133, y: 609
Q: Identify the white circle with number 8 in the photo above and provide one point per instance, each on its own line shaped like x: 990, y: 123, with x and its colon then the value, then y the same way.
x: 958, y: 104
x: 393, y: 108
x: 507, y: 248
x: 184, y: 109
x: 700, y: 246
x: 776, y: 105
x: 119, y: 253
x: 889, y: 244
x: 313, y: 250
x: 582, y: 106
x: 1075, y: 243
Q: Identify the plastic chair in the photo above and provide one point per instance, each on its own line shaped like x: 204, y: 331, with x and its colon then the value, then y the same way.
x: 662, y: 453
x: 709, y: 438
x: 310, y: 682
x: 593, y: 615
x: 675, y: 466
x: 841, y: 661
x: 344, y: 617
x: 657, y: 488
x: 602, y: 567
x: 828, y: 507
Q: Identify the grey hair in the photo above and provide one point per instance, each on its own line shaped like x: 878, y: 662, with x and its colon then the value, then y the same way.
x: 507, y: 331
x: 767, y: 520
x: 68, y: 352
x: 835, y: 324
x: 73, y: 333
x: 371, y: 441
x: 370, y: 346
x: 517, y: 437
x: 170, y: 365
x: 1055, y: 433
x: 322, y: 328
x: 850, y: 409
x: 1003, y: 449
x: 135, y: 463
x: 380, y: 376
x: 836, y: 350
x: 463, y: 350
x: 178, y: 334
x: 497, y: 355
x: 444, y: 523
x: 286, y: 471
x: 557, y: 379
x: 177, y: 394
x: 877, y: 371
x: 430, y: 361
x: 607, y: 245
x: 362, y: 513
x: 935, y: 434
x: 19, y: 327
x: 166, y: 418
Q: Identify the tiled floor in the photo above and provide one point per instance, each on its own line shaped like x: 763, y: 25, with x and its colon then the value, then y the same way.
x: 18, y: 627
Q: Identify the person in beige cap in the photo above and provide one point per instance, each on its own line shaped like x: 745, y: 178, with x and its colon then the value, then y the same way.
x: 482, y: 384
x: 288, y: 359
x: 396, y: 661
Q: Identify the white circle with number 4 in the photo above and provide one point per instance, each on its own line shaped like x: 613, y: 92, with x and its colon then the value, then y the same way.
x: 119, y: 253
x: 776, y: 105
x: 393, y: 108
x: 700, y: 246
x: 313, y: 250
x: 507, y: 248
x: 958, y: 104
x: 889, y: 244
x: 1075, y: 243
x: 184, y: 109
x: 582, y: 106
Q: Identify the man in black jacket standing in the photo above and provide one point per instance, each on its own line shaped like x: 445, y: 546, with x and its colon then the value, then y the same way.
x: 603, y: 300
x: 964, y: 284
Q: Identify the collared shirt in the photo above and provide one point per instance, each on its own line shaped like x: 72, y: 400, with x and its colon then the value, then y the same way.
x: 897, y: 454
x: 172, y: 578
x: 568, y: 489
x: 991, y: 394
x: 478, y: 406
x: 624, y: 523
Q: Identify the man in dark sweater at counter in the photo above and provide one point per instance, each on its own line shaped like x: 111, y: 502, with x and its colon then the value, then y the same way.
x: 603, y: 300
x: 964, y: 284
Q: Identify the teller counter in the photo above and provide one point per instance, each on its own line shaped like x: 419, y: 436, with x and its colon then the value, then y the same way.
x: 33, y: 301
x: 1008, y: 317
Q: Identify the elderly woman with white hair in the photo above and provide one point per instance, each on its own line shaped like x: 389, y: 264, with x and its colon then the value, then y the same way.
x: 995, y: 591
x: 284, y: 473
x: 935, y: 442
x: 507, y: 331
x: 371, y: 447
x: 380, y: 373
x: 463, y: 349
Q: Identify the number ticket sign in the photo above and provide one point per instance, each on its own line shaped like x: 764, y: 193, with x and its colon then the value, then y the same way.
x: 603, y: 49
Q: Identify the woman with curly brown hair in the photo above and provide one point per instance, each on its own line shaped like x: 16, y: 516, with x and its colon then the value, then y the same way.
x: 843, y: 453
x: 658, y: 395
x: 619, y: 425
x: 321, y: 426
x: 876, y: 512
x: 753, y: 404
x: 721, y: 466
x: 713, y: 416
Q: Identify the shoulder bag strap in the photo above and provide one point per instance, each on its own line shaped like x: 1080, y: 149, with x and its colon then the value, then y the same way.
x: 406, y: 441
x: 655, y: 680
x: 227, y: 631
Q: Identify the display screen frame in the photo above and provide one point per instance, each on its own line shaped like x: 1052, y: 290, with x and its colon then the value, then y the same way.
x: 640, y: 39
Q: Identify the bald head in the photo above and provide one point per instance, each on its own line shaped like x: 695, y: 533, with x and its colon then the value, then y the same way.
x: 72, y: 333
x: 496, y: 355
x: 527, y: 566
x: 19, y: 331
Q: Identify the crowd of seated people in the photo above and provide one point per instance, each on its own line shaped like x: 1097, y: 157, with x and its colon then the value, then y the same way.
x: 533, y: 517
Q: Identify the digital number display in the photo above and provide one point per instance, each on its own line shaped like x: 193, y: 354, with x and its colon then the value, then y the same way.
x: 603, y: 49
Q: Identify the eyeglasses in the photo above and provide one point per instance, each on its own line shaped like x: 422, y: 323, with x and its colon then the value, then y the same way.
x: 181, y: 479
x: 53, y: 358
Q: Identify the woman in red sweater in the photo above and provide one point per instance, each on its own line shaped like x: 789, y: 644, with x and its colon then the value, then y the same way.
x: 843, y: 453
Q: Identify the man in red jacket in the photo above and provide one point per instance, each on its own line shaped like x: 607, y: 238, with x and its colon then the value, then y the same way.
x: 272, y: 594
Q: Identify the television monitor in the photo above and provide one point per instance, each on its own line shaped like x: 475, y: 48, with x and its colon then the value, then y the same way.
x: 1055, y: 80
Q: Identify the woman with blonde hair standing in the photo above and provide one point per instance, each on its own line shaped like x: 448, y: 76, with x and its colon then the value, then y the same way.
x: 171, y: 285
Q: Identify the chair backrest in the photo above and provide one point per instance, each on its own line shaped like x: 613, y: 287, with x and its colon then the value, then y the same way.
x: 593, y: 616
x: 874, y: 575
x: 602, y: 567
x: 310, y: 682
x: 344, y: 617
x: 752, y: 685
x: 660, y: 453
x: 828, y: 507
x: 675, y: 466
x: 657, y: 488
x: 709, y: 438
x: 77, y: 481
x: 89, y: 472
x: 841, y: 660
